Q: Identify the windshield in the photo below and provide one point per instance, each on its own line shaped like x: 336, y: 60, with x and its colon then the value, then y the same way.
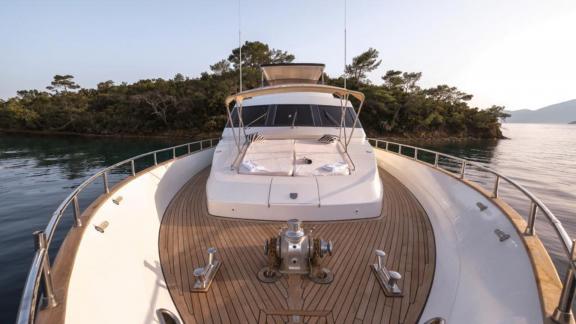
x: 294, y: 115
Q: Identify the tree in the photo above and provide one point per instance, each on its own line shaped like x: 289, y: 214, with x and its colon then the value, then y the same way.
x: 160, y: 104
x: 407, y: 82
x: 105, y: 85
x: 448, y: 94
x: 179, y: 77
x: 363, y: 64
x: 195, y: 106
x: 256, y: 53
x: 221, y: 67
x: 498, y: 111
x: 64, y: 82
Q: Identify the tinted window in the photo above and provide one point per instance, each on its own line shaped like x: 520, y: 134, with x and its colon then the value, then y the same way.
x: 255, y: 115
x: 330, y: 116
x: 297, y: 115
x: 252, y: 116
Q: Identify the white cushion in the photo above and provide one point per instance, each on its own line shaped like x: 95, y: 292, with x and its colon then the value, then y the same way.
x: 323, y: 164
x: 272, y: 146
x: 313, y: 146
x: 280, y: 164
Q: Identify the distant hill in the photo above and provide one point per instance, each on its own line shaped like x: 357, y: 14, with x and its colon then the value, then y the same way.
x: 572, y: 123
x: 560, y: 113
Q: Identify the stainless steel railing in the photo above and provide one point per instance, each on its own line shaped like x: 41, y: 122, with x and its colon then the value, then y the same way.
x: 40, y: 270
x: 563, y: 311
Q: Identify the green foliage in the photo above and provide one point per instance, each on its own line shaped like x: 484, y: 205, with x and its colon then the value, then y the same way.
x: 362, y: 64
x: 63, y: 82
x: 256, y: 53
x: 195, y: 106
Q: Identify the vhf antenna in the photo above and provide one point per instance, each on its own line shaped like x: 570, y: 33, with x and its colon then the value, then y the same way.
x: 345, y: 23
x: 240, y: 40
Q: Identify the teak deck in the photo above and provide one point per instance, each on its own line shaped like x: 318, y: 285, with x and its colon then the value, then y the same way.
x: 403, y: 231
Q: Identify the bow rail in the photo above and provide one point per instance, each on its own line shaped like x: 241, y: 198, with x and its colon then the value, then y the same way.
x: 563, y: 312
x: 39, y: 275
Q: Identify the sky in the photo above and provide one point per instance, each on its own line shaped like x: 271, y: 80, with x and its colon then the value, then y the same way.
x: 517, y: 53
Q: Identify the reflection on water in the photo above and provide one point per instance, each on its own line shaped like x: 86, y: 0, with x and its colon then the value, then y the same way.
x: 540, y: 157
x: 37, y: 173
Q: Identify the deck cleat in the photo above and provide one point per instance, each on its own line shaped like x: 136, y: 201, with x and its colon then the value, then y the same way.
x: 388, y: 279
x: 205, y: 275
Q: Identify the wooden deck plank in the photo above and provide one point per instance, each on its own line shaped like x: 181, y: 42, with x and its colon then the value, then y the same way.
x: 402, y: 230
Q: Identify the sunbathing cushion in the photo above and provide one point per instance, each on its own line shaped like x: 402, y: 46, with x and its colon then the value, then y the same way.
x: 322, y: 164
x: 271, y: 146
x: 278, y: 164
x: 313, y: 146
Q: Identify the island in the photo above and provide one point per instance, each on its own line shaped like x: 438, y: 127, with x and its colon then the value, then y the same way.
x: 194, y: 106
x: 572, y: 123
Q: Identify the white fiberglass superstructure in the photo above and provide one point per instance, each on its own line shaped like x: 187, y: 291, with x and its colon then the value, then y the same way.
x: 294, y: 149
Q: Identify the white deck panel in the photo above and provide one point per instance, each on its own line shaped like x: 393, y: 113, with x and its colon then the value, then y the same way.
x: 478, y: 279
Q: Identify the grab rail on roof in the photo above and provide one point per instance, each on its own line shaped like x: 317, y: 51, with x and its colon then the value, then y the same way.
x: 40, y: 270
x: 563, y: 312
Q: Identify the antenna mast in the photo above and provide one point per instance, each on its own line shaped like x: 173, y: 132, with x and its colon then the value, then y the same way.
x: 240, y: 40
x: 345, y: 24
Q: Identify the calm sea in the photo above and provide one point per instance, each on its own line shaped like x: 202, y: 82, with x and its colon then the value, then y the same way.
x: 37, y: 172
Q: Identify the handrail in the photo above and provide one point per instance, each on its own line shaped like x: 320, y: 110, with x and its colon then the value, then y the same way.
x: 563, y: 312
x: 40, y: 269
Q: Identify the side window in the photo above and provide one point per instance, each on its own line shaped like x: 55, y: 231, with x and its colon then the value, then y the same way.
x: 330, y: 116
x: 252, y: 116
x: 234, y: 114
x: 350, y: 118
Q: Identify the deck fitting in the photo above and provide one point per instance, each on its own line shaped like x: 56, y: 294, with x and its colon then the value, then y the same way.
x: 205, y: 275
x: 388, y: 279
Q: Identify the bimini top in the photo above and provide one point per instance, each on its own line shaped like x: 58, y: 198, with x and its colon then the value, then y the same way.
x: 284, y: 73
x: 287, y: 88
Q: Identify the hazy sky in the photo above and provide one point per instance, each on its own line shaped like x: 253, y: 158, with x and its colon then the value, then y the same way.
x: 517, y: 53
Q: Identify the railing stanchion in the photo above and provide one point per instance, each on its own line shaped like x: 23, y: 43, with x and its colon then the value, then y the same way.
x: 77, y: 220
x: 133, y: 166
x: 563, y: 313
x: 155, y: 159
x: 106, y: 187
x: 463, y: 169
x: 174, y: 152
x: 531, y: 218
x: 211, y: 144
x: 436, y: 156
x: 41, y: 244
x: 496, y: 185
x: 201, y: 146
x: 415, y: 153
x: 188, y: 148
x: 387, y: 146
x: 400, y: 149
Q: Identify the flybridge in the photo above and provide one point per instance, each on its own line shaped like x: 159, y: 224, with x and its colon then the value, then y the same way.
x: 286, y: 73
